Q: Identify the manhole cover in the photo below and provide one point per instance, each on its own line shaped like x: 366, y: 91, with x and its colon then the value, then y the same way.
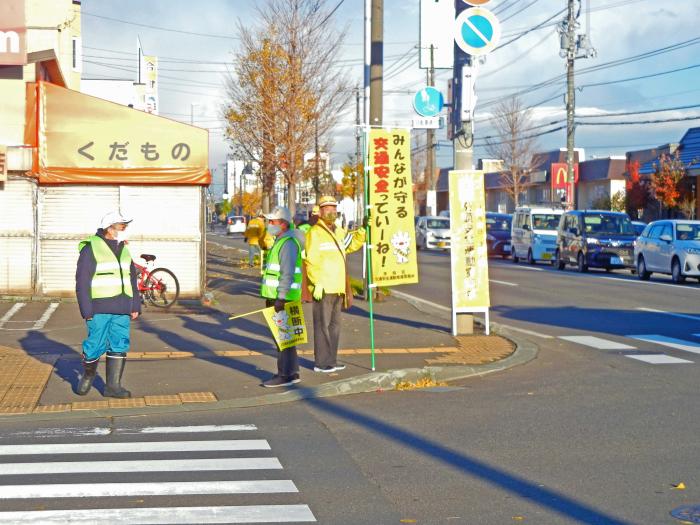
x: 689, y: 513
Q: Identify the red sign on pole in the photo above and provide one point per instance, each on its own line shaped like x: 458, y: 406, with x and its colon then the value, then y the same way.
x: 560, y: 185
x: 13, y: 33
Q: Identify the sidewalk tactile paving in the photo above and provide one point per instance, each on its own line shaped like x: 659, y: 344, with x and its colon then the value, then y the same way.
x: 47, y: 409
x: 132, y: 402
x: 198, y: 397
x: 89, y: 405
x: 154, y: 401
x: 21, y: 396
x: 14, y: 411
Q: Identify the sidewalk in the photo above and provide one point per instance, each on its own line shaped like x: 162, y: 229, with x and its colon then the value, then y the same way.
x: 194, y: 356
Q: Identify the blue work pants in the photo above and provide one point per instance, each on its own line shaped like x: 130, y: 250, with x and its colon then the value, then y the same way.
x: 106, y: 333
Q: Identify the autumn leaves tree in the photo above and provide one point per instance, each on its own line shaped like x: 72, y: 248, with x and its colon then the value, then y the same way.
x: 667, y: 180
x: 285, y: 88
x: 636, y: 192
x: 514, y: 144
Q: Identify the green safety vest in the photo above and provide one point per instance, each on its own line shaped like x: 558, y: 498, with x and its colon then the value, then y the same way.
x: 112, y: 275
x: 304, y: 227
x: 273, y: 270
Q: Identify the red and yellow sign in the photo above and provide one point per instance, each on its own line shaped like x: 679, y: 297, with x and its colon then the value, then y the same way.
x: 13, y: 33
x: 83, y: 139
x: 392, y: 227
x: 560, y: 184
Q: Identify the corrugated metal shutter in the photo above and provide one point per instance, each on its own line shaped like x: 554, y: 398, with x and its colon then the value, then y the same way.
x: 68, y: 214
x: 167, y: 225
x: 17, y: 235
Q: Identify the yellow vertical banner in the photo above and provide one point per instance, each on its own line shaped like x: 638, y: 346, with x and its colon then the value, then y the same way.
x: 287, y: 326
x: 392, y: 227
x: 470, y: 270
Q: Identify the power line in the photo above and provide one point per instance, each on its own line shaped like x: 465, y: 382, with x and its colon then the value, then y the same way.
x: 677, y: 108
x: 627, y: 123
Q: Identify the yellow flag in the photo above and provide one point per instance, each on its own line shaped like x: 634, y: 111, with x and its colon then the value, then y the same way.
x: 287, y: 326
x: 470, y: 267
x: 394, y: 259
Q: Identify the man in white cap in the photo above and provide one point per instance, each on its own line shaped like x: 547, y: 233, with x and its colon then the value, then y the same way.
x: 281, y: 283
x: 108, y: 297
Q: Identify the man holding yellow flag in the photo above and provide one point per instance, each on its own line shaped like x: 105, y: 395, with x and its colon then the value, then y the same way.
x: 281, y: 283
x: 329, y: 284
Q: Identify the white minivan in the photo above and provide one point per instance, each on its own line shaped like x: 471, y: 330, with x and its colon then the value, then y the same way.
x: 534, y: 233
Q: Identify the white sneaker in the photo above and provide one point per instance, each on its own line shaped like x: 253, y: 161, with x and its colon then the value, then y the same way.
x: 325, y: 370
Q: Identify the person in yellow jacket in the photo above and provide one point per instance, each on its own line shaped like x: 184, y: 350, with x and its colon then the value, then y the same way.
x: 257, y: 238
x: 326, y: 247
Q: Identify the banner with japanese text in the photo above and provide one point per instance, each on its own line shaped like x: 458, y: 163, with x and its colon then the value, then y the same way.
x: 470, y: 269
x: 84, y: 139
x: 287, y: 326
x: 392, y: 225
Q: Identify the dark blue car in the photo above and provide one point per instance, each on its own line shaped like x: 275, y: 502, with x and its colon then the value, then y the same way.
x: 498, y: 234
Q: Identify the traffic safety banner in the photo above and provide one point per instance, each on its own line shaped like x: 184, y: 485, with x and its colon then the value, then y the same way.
x: 392, y: 228
x: 470, y: 270
x: 287, y: 326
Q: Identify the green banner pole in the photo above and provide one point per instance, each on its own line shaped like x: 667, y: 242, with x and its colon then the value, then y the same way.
x: 368, y: 242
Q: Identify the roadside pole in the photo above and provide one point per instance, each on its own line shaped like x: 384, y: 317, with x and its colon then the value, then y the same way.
x: 430, y: 154
x: 570, y: 104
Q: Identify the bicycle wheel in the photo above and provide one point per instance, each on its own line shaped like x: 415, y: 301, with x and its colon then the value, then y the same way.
x: 163, y: 289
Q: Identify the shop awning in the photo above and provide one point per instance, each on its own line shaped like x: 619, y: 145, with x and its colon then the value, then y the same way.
x: 81, y: 139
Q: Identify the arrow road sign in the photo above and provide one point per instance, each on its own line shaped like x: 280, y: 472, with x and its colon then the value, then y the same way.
x: 477, y: 31
x: 428, y: 102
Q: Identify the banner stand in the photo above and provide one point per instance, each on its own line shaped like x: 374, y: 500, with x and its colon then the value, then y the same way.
x: 456, y: 311
x: 368, y: 249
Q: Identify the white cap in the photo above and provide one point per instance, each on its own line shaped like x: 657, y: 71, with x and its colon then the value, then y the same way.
x: 280, y: 212
x: 113, y: 217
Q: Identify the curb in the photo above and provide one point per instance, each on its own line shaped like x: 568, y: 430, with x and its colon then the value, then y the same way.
x: 525, y: 352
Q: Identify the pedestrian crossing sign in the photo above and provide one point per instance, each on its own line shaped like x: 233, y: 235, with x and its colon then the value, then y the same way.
x: 287, y: 326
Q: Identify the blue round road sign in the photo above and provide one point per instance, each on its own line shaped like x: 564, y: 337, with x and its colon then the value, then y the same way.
x: 428, y: 102
x: 477, y: 31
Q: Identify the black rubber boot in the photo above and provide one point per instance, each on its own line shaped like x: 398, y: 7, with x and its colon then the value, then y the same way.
x: 89, y: 371
x: 115, y: 369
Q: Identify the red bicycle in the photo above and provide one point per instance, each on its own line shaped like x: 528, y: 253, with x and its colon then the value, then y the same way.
x: 159, y: 286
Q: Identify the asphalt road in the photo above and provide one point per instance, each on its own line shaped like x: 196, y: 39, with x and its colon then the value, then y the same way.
x: 587, y: 433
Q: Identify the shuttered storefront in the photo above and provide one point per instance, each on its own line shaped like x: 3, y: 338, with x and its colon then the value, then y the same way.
x: 17, y: 236
x: 166, y: 224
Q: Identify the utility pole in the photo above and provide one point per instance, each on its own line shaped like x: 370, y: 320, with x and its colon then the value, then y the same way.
x: 376, y: 64
x: 359, y: 176
x: 570, y: 103
x: 430, y: 152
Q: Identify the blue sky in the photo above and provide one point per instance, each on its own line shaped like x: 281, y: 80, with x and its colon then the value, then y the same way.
x: 619, y: 29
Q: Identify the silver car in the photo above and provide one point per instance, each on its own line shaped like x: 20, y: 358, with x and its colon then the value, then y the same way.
x: 669, y: 246
x: 433, y: 233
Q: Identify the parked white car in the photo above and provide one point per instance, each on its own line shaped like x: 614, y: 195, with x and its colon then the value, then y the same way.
x: 433, y: 233
x: 534, y: 234
x: 670, y: 246
x: 235, y: 224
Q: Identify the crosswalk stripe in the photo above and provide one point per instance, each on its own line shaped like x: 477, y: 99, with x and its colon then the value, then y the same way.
x: 673, y: 314
x: 671, y: 342
x: 190, y: 429
x: 45, y: 317
x: 165, y: 515
x: 153, y: 465
x: 187, y: 488
x: 596, y: 342
x: 659, y: 359
x: 135, y: 447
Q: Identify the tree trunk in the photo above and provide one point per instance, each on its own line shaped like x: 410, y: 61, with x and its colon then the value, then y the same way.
x: 292, y: 197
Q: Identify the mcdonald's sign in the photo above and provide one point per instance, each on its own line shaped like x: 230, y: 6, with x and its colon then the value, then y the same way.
x: 559, y: 172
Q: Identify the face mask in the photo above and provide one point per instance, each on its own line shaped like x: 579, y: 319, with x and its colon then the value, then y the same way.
x: 274, y: 229
x: 329, y: 218
x: 122, y: 236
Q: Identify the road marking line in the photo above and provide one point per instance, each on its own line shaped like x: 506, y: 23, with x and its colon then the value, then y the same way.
x: 659, y: 359
x: 179, y: 488
x: 674, y: 314
x: 515, y: 267
x: 671, y: 342
x: 596, y: 342
x: 12, y: 311
x: 165, y: 515
x: 143, y: 446
x: 45, y: 317
x: 675, y: 286
x: 503, y: 282
x: 530, y: 332
x: 153, y: 465
x: 191, y: 429
x: 408, y: 297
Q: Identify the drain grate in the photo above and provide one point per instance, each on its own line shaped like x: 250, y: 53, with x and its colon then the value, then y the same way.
x: 688, y: 513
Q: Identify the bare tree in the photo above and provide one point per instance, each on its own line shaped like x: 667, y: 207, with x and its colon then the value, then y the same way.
x: 514, y: 145
x: 285, y: 88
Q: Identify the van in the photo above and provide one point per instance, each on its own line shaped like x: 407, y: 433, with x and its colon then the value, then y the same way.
x: 534, y: 234
x: 235, y: 224
x: 595, y: 239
